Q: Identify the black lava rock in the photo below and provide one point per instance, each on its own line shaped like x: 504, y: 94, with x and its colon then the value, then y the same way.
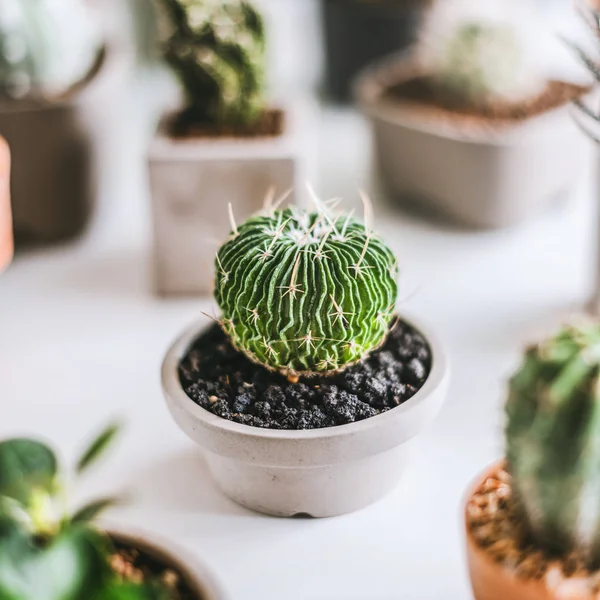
x: 223, y: 381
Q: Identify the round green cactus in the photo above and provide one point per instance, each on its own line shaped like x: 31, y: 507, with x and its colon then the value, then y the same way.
x: 481, y: 63
x: 553, y: 441
x: 217, y: 49
x: 305, y: 292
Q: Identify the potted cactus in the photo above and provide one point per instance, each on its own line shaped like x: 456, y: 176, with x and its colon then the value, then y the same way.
x: 48, y: 552
x: 51, y: 62
x: 475, y: 122
x: 225, y: 144
x: 305, y: 392
x: 532, y: 522
x: 360, y: 32
x: 6, y: 232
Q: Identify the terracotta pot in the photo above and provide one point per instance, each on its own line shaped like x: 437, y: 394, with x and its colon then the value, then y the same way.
x: 491, y: 580
x: 6, y: 233
x: 476, y: 177
x: 192, y: 570
x: 318, y: 472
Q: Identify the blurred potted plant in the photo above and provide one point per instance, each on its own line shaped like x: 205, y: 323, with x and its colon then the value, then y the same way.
x: 361, y: 32
x: 49, y: 57
x: 532, y: 521
x: 305, y: 393
x: 588, y: 117
x: 48, y: 552
x: 226, y: 145
x: 6, y: 231
x: 472, y: 123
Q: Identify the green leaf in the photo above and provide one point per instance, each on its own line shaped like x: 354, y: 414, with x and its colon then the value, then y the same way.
x: 26, y: 466
x: 70, y: 567
x: 119, y: 590
x: 90, y: 511
x: 97, y: 447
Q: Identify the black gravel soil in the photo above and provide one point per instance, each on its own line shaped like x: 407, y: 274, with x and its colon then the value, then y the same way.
x: 225, y: 382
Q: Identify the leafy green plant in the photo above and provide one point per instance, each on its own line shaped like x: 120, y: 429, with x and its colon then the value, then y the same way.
x: 46, y: 553
x: 217, y: 49
x: 305, y: 292
x: 45, y: 47
x: 553, y: 442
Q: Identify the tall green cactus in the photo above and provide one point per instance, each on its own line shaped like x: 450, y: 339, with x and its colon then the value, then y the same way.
x: 45, y: 47
x: 553, y: 441
x: 217, y: 49
x: 305, y: 292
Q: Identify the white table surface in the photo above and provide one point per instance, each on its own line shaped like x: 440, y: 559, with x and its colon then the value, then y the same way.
x: 82, y: 338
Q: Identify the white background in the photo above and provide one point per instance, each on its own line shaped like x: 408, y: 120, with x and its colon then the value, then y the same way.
x: 82, y: 338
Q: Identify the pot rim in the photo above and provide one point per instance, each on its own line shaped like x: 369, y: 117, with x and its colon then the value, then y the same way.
x: 191, y: 567
x: 373, y: 80
x: 438, y: 376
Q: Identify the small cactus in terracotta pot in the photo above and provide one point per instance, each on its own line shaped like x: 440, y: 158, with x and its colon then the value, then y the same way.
x: 539, y: 537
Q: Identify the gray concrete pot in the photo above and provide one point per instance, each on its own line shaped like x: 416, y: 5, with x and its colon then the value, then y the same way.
x: 196, y: 575
x: 192, y: 182
x: 479, y: 178
x: 54, y: 146
x: 320, y: 472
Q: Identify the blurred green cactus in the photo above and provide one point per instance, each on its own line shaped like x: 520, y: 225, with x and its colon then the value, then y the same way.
x: 217, y: 49
x: 305, y: 292
x: 553, y: 442
x: 482, y: 63
x: 46, y: 46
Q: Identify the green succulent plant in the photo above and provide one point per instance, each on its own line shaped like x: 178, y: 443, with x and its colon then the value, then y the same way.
x: 45, y: 47
x: 553, y: 441
x: 46, y: 553
x: 482, y: 63
x: 217, y: 49
x: 305, y: 292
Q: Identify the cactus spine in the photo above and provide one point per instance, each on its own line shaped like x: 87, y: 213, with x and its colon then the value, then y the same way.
x: 305, y: 292
x: 553, y: 442
x: 46, y: 47
x: 217, y: 49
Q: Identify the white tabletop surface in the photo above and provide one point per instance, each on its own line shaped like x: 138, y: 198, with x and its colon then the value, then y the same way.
x: 82, y: 338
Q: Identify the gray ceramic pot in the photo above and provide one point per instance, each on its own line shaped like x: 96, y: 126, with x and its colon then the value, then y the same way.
x: 484, y: 177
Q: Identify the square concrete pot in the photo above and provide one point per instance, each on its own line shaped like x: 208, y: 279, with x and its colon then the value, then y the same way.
x: 193, y: 180
x: 316, y: 472
x: 483, y: 177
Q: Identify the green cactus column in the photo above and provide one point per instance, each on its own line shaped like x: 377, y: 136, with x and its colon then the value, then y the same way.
x: 553, y: 441
x: 305, y: 292
x: 217, y: 49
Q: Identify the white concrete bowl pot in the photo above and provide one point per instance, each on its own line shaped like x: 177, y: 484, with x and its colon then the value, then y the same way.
x: 194, y: 572
x: 483, y: 177
x: 317, y: 473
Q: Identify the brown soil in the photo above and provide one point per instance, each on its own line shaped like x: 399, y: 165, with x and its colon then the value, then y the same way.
x: 495, y: 526
x: 425, y: 97
x: 135, y: 566
x: 271, y: 124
